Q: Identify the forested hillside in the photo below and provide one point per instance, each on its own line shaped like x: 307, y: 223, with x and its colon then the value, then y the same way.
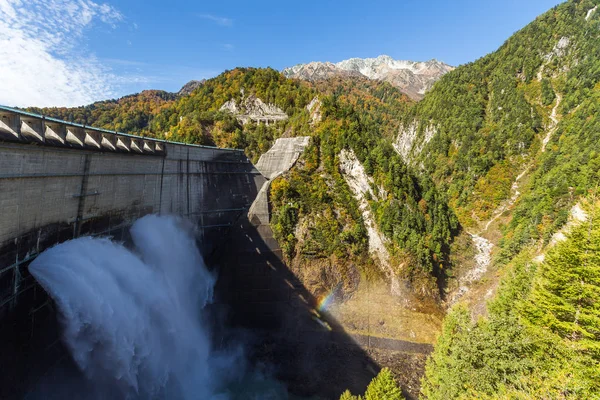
x: 492, y: 116
x: 542, y: 337
x: 130, y: 114
x: 196, y: 118
x: 512, y: 138
x: 516, y: 145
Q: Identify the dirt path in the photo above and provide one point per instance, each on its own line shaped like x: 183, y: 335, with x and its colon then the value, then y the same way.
x: 554, y: 124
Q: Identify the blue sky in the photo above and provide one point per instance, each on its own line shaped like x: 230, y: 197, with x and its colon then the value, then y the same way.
x: 81, y: 50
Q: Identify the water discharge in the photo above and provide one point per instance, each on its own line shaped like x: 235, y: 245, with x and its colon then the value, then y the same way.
x: 133, y: 320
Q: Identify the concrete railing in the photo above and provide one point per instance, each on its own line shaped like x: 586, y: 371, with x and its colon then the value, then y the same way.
x: 25, y: 127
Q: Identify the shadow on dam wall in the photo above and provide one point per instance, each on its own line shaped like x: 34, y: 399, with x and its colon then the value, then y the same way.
x: 51, y: 194
x: 258, y: 294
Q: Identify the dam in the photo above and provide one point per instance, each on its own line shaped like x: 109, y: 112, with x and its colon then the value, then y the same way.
x: 61, y: 181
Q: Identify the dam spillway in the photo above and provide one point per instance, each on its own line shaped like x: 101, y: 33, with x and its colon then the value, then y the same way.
x: 60, y: 181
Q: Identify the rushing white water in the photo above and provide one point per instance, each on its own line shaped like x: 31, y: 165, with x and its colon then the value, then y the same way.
x: 132, y: 320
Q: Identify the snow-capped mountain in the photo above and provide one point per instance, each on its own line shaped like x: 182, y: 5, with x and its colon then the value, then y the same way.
x: 413, y: 78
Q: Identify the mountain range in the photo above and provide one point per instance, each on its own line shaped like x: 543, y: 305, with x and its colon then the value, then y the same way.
x: 412, y: 78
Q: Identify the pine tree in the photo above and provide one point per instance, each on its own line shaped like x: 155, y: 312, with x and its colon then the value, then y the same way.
x: 348, y: 396
x: 443, y: 378
x: 548, y: 94
x: 566, y: 297
x: 384, y: 387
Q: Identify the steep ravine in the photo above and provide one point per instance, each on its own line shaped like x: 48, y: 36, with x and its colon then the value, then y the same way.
x: 483, y: 246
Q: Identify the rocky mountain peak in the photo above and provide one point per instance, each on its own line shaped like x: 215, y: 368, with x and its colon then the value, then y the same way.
x: 189, y: 87
x: 413, y: 78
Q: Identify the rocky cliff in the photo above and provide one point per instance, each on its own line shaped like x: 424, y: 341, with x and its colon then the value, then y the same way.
x: 251, y: 108
x: 189, y: 87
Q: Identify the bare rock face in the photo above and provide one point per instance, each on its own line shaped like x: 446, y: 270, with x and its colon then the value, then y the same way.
x: 405, y: 141
x: 189, y: 87
x: 314, y: 108
x: 412, y: 78
x: 409, y: 143
x: 560, y: 49
x: 252, y: 108
x: 360, y: 185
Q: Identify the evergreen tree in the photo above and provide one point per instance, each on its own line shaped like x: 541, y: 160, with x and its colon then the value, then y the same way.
x: 566, y: 297
x: 383, y: 387
x: 548, y: 94
x: 348, y: 396
x: 541, y: 339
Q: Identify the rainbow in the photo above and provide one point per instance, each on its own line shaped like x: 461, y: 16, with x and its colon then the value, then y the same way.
x: 326, y: 300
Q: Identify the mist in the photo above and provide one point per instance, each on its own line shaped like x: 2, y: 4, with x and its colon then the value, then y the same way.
x: 134, y: 320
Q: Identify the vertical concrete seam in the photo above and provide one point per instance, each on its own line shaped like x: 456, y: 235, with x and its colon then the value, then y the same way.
x: 80, y: 206
x: 162, y: 175
x: 16, y: 285
x: 188, y: 181
x: 43, y: 128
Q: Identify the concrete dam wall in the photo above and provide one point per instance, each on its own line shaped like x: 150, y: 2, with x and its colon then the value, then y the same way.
x: 59, y: 181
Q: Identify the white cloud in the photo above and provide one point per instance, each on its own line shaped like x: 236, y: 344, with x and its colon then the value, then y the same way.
x: 216, y: 19
x: 42, y: 59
